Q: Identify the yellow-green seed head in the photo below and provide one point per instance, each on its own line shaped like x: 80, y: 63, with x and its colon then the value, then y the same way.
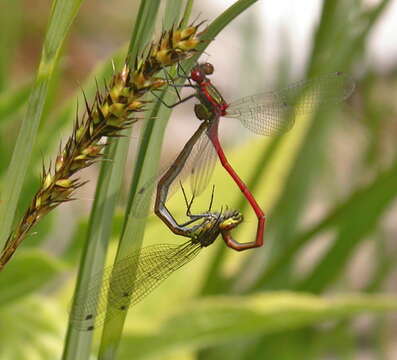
x: 135, y: 105
x: 117, y: 109
x: 47, y: 181
x: 59, y: 162
x: 185, y: 33
x: 105, y: 110
x: 91, y: 150
x: 79, y: 133
x: 38, y: 202
x: 116, y: 91
x: 64, y: 183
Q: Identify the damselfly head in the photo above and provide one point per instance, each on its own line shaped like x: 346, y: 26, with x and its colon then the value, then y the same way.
x: 200, y: 71
x: 231, y: 220
x: 197, y: 74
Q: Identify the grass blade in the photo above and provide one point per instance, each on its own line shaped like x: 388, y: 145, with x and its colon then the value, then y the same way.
x: 62, y: 16
x: 373, y: 195
x: 78, y: 344
x: 364, y: 212
x: 230, y: 320
x: 12, y: 101
x: 28, y: 273
x: 10, y: 28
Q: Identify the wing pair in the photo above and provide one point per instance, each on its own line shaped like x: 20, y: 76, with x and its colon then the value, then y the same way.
x: 268, y: 113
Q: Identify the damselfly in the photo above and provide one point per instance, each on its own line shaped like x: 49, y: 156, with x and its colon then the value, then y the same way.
x: 267, y: 113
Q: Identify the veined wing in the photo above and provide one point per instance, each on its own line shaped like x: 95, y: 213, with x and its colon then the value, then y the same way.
x: 202, y: 165
x: 199, y: 167
x: 126, y: 283
x: 273, y: 112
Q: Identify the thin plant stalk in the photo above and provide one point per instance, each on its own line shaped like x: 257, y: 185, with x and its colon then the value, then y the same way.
x: 78, y: 344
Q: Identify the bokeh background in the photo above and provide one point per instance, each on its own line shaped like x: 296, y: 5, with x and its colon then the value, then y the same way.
x: 328, y: 188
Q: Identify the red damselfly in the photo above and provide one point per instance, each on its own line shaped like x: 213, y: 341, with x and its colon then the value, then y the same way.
x: 268, y: 113
x: 194, y: 160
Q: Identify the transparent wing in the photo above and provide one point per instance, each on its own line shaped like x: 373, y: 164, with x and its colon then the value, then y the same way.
x: 202, y: 165
x: 198, y: 167
x: 273, y: 112
x: 116, y: 289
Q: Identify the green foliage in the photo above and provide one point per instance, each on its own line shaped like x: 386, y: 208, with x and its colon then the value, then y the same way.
x: 62, y: 16
x: 27, y: 274
x: 225, y: 319
x: 32, y: 329
x: 284, y: 301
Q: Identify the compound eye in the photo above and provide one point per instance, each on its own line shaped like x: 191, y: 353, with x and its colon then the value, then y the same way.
x: 208, y: 68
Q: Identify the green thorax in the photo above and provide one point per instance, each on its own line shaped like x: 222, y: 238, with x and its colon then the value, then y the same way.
x: 210, y: 102
x: 215, y: 94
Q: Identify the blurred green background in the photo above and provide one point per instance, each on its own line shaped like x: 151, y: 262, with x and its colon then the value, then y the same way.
x: 322, y: 286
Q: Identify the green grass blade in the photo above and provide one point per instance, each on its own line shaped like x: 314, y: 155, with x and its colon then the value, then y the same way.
x: 230, y: 320
x: 364, y: 214
x: 380, y: 190
x: 10, y: 28
x: 171, y: 13
x: 133, y: 227
x: 33, y: 329
x: 28, y: 273
x: 143, y: 29
x: 78, y: 344
x: 12, y: 101
x: 187, y: 12
x: 385, y: 264
x: 62, y: 16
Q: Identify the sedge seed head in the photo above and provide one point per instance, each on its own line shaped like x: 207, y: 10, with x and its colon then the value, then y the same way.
x: 117, y: 109
x: 64, y: 183
x: 47, y: 181
x: 59, y: 162
x: 111, y: 111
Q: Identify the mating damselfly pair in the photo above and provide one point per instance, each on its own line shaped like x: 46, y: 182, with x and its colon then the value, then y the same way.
x: 269, y: 113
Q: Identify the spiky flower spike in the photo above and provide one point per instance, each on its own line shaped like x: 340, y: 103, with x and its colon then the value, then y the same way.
x: 110, y: 112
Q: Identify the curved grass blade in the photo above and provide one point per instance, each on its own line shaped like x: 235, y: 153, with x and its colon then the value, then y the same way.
x: 215, y: 321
